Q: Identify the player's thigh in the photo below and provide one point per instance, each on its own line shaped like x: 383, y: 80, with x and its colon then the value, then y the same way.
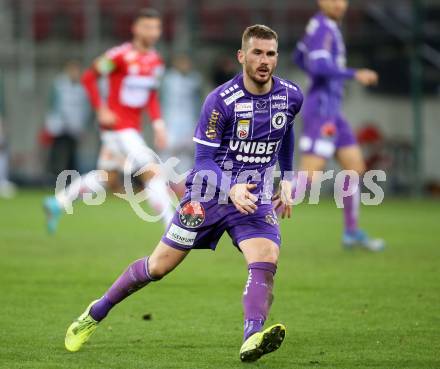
x: 135, y: 148
x: 311, y: 163
x: 164, y: 259
x: 140, y: 156
x: 110, y: 157
x: 351, y: 158
x: 259, y: 250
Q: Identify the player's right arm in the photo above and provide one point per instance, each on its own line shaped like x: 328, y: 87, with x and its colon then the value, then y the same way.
x: 317, y: 51
x: 366, y: 77
x: 315, y: 57
x: 104, y: 65
x: 208, y: 138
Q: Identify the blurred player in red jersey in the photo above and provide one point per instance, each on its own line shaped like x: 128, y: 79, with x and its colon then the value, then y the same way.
x: 133, y: 70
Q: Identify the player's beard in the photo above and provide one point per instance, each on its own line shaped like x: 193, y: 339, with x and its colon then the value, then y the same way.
x: 253, y: 75
x: 147, y: 43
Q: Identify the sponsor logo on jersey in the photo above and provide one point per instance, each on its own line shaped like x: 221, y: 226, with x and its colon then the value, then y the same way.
x: 261, y: 104
x: 261, y: 107
x: 181, y: 236
x: 279, y: 97
x: 240, y: 107
x: 253, y: 151
x: 192, y: 214
x: 243, y: 128
x: 279, y: 120
x: 254, y: 147
x: 211, y: 131
x: 245, y: 115
x: 234, y: 97
x: 279, y: 105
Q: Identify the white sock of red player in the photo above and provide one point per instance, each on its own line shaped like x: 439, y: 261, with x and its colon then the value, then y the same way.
x: 159, y: 198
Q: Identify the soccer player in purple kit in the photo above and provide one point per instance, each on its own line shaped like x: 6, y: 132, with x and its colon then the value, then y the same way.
x: 245, y: 127
x: 321, y: 54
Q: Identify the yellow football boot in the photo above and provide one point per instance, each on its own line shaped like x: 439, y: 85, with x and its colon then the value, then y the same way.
x: 262, y: 343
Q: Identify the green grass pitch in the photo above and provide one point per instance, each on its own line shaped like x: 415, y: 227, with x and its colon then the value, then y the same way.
x: 342, y: 309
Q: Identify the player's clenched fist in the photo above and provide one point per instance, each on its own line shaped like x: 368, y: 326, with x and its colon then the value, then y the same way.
x: 106, y: 117
x: 160, y: 135
x: 243, y: 199
x: 367, y: 77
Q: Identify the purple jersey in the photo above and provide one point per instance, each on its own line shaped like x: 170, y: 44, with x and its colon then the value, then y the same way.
x: 247, y: 129
x: 321, y: 54
x: 237, y: 132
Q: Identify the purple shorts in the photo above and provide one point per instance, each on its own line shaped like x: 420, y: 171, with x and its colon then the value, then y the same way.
x: 197, y: 225
x: 323, y: 136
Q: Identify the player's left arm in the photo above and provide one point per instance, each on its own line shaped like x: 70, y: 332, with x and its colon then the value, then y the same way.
x: 283, y: 197
x: 285, y: 158
x: 154, y: 111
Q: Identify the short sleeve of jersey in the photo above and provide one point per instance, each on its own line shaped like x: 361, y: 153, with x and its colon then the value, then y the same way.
x: 320, y: 40
x: 112, y: 60
x: 296, y: 99
x: 212, y: 121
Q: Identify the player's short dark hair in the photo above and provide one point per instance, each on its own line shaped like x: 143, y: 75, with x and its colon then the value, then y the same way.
x: 147, y: 13
x: 258, y: 31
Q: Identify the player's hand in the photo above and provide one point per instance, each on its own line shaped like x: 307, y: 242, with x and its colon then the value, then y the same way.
x: 243, y: 200
x: 283, y: 199
x: 160, y: 136
x: 366, y: 77
x: 106, y: 117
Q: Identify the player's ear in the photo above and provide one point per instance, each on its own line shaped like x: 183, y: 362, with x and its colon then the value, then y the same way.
x: 133, y: 28
x: 240, y: 56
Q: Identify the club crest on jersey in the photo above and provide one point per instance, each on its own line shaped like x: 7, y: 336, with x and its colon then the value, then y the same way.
x: 130, y: 56
x: 243, y: 128
x: 134, y: 68
x: 279, y: 120
x: 328, y: 129
x: 192, y: 214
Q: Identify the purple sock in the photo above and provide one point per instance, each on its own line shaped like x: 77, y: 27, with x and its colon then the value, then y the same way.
x: 257, y: 296
x: 351, y: 208
x: 134, y: 278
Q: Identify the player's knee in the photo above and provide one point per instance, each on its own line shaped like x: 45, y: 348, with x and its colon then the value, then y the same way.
x: 157, y: 269
x: 361, y: 169
x: 269, y: 254
x: 154, y: 170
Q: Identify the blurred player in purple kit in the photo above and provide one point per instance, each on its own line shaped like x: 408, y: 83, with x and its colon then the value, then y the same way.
x: 321, y: 54
x: 245, y: 127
